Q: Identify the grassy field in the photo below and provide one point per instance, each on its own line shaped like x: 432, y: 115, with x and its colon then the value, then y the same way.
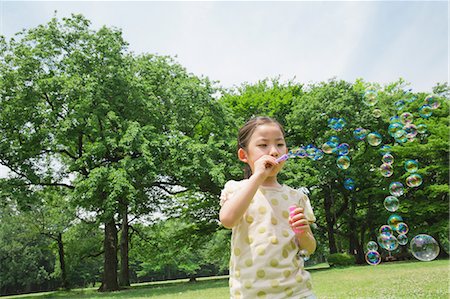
x: 387, y: 280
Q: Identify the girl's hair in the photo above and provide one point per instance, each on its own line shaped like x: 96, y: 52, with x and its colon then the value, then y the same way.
x: 246, y: 132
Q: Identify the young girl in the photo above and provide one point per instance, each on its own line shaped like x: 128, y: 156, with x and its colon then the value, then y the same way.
x: 264, y: 261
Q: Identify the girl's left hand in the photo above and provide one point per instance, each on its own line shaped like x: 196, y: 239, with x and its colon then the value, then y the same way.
x: 298, y: 220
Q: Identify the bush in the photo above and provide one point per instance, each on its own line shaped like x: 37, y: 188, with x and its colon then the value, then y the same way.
x: 340, y: 259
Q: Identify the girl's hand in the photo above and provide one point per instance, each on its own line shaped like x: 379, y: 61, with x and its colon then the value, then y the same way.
x: 265, y: 165
x: 298, y: 220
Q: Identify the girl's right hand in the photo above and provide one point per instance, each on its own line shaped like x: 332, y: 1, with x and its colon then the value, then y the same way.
x: 265, y: 165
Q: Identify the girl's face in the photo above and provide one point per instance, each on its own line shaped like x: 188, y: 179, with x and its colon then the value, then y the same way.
x: 267, y: 139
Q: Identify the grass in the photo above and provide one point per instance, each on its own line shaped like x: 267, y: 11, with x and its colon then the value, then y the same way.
x: 387, y: 280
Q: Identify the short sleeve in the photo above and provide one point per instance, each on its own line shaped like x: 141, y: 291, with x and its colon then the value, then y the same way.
x: 308, y: 211
x: 228, y: 190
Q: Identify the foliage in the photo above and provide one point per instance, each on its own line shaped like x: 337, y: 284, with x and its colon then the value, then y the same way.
x: 340, y: 259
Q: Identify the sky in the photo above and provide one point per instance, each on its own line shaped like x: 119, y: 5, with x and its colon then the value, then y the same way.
x: 306, y: 41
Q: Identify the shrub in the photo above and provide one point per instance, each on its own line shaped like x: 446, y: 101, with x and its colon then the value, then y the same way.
x: 340, y: 259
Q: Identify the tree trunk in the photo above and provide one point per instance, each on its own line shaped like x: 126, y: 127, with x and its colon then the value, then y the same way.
x: 354, y: 243
x: 328, y: 202
x: 124, y: 274
x: 109, y: 282
x: 62, y: 262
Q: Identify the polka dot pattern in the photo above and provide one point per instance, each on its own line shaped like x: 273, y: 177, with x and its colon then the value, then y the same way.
x: 263, y: 263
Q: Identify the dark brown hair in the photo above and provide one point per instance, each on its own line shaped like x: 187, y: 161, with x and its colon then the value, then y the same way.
x: 246, y: 132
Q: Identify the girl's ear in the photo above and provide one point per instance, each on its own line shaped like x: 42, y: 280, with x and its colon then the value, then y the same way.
x: 242, y: 155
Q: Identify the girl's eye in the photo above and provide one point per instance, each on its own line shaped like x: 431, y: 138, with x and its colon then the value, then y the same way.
x: 280, y: 144
x: 262, y: 145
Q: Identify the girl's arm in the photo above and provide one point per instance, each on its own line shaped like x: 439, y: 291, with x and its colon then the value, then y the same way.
x: 234, y: 208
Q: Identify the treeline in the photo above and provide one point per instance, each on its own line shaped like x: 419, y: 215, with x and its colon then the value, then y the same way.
x: 117, y: 161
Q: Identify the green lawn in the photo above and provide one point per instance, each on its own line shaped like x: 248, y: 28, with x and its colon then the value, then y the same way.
x: 387, y: 280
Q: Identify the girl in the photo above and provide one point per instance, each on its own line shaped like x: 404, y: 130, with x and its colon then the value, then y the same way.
x: 264, y: 261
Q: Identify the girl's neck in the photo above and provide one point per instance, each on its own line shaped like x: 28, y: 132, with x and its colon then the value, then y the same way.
x: 271, y: 182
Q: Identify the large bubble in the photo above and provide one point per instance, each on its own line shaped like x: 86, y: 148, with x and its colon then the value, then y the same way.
x: 401, y: 228
x: 425, y: 111
x: 385, y: 149
x: 376, y: 113
x: 394, y: 219
x: 349, y: 184
x: 402, y: 239
x: 385, y: 229
x: 432, y: 101
x: 343, y: 162
x: 388, y: 242
x: 342, y: 149
x: 373, y: 257
x: 395, y: 129
x: 372, y: 246
x: 414, y: 180
x: 422, y: 128
x: 374, y: 138
x: 387, y: 158
x: 391, y: 203
x: 406, y: 117
x: 360, y: 133
x: 370, y: 96
x: 410, y: 130
x: 328, y: 147
x: 411, y: 166
x: 386, y: 170
x: 424, y: 247
x: 396, y: 189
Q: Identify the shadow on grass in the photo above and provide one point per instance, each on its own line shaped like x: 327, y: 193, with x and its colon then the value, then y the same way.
x: 138, y: 291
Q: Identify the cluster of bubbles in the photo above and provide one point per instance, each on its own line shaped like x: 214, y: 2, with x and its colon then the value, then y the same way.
x: 403, y: 130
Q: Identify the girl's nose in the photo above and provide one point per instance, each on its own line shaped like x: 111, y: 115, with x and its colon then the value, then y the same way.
x: 274, y: 151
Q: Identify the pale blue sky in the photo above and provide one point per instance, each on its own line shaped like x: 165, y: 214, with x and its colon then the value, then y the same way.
x: 236, y: 42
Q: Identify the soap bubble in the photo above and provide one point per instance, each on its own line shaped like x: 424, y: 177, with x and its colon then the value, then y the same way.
x: 372, y: 246
x: 388, y: 242
x: 318, y: 155
x: 349, y: 184
x: 414, y: 180
x: 401, y: 228
x: 370, y: 96
x: 373, y: 257
x: 424, y: 247
x: 402, y: 239
x: 425, y: 111
x: 394, y: 129
x: 376, y: 113
x: 385, y: 229
x: 360, y: 133
x: 399, y: 105
x: 343, y: 162
x: 334, y: 140
x: 374, y: 138
x: 406, y: 117
x: 394, y: 119
x: 411, y: 166
x: 432, y: 101
x: 394, y: 219
x: 388, y: 159
x: 422, y: 128
x: 386, y: 170
x: 391, y: 203
x: 385, y: 149
x: 410, y: 130
x: 396, y: 189
x: 342, y: 149
x: 328, y: 147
